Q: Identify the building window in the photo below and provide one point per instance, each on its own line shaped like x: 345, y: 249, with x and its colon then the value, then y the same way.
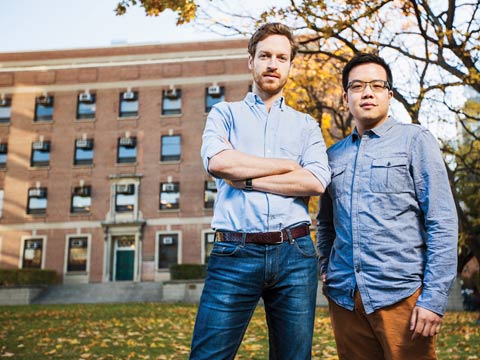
x: 5, y: 110
x: 32, y: 254
x: 167, y: 250
x: 86, y: 106
x: 37, y: 201
x: 208, y: 241
x: 172, y: 102
x: 3, y: 155
x: 210, y: 194
x: 169, y: 196
x: 171, y: 148
x: 83, y: 152
x: 81, y: 199
x: 128, y: 104
x: 44, y: 108
x: 77, y: 254
x: 127, y: 150
x: 1, y: 202
x: 213, y: 95
x: 124, y: 197
x: 40, y: 153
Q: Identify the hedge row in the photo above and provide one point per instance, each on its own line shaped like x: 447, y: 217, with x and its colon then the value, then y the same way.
x: 16, y: 277
x: 188, y: 271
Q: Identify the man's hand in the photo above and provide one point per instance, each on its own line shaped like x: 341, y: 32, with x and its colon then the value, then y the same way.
x: 424, y: 322
x: 323, y: 277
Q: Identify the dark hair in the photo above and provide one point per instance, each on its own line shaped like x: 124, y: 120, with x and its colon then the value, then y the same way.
x: 365, y: 58
x: 265, y: 31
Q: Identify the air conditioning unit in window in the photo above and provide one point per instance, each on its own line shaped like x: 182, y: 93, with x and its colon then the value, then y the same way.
x: 3, y: 148
x: 129, y: 95
x: 171, y: 94
x: 127, y: 141
x: 44, y: 100
x: 41, y: 145
x: 82, y: 191
x: 214, y: 90
x: 211, y: 185
x: 32, y: 245
x: 37, y: 192
x: 78, y: 243
x: 167, y: 240
x: 168, y: 187
x: 126, y: 189
x: 84, y: 144
x: 85, y: 97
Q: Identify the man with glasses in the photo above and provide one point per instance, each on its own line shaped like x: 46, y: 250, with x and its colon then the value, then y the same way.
x: 387, y: 227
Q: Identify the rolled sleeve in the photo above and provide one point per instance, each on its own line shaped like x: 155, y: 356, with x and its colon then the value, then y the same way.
x: 315, y: 157
x: 216, y: 131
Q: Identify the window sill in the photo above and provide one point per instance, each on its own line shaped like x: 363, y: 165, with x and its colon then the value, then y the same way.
x: 77, y: 214
x: 42, y: 215
x: 126, y: 164
x: 120, y: 118
x: 34, y: 168
x: 171, y: 162
x: 166, y: 116
x: 4, y: 124
x: 168, y: 210
x: 87, y: 120
x: 76, y: 273
x: 83, y: 166
x: 42, y: 122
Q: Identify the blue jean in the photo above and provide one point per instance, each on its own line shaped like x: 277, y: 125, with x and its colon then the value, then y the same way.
x: 284, y: 275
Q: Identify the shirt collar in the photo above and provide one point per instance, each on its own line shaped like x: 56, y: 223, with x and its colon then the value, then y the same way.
x: 379, y: 130
x: 253, y: 99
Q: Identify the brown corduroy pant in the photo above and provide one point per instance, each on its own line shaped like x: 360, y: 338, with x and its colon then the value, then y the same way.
x: 384, y: 334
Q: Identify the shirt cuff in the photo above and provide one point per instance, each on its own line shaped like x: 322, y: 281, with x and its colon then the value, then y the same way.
x: 433, y: 301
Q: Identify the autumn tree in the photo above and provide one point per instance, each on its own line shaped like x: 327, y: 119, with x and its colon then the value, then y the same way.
x: 432, y: 47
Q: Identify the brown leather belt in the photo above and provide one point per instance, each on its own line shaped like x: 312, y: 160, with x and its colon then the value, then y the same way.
x: 274, y: 237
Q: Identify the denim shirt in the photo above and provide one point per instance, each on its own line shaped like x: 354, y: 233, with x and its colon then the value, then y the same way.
x: 387, y: 224
x: 281, y: 133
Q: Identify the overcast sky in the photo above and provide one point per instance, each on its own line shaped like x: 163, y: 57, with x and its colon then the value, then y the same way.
x: 64, y: 24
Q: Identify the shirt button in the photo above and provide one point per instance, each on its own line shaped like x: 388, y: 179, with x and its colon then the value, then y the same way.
x: 357, y: 268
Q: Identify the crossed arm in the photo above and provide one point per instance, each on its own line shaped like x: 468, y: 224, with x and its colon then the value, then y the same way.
x: 272, y: 175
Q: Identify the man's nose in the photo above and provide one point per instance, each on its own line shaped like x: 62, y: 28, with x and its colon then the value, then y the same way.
x: 273, y: 62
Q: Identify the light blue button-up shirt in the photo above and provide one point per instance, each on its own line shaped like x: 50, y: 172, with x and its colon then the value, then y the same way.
x: 281, y: 133
x: 388, y: 224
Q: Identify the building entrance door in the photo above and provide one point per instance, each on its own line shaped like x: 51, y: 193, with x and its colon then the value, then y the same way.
x: 124, y: 258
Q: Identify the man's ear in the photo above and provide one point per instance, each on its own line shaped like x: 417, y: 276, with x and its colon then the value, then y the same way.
x: 250, y: 60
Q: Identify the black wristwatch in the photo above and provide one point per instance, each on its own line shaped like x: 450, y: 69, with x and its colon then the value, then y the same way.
x: 248, y: 185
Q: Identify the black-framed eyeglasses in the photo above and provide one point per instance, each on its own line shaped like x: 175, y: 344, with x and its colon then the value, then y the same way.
x: 375, y: 85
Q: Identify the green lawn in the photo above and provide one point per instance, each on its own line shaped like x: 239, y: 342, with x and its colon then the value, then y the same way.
x: 163, y: 331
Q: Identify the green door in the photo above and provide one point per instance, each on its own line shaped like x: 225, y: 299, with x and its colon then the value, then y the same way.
x: 124, y: 267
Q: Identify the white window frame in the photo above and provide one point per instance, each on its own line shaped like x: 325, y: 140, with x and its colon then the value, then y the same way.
x: 22, y: 249
x: 179, y: 248
x: 203, y: 250
x: 89, y: 249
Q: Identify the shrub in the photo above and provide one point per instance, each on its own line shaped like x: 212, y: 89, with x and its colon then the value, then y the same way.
x: 188, y: 271
x: 16, y: 277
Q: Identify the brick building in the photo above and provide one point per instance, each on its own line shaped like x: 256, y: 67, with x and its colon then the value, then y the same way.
x: 100, y: 170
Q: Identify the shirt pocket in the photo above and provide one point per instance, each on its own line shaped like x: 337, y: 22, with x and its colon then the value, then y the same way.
x: 337, y: 185
x: 389, y: 175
